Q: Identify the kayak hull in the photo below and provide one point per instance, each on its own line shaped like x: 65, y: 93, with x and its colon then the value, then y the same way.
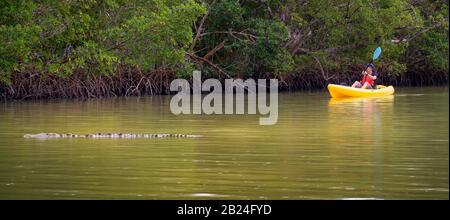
x: 338, y: 91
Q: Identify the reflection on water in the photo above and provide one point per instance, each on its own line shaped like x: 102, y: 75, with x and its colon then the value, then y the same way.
x: 378, y: 148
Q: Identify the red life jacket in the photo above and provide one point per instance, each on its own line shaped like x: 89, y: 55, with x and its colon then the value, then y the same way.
x: 368, y: 80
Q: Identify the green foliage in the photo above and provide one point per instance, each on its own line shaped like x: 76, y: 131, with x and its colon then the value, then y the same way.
x: 352, y: 29
x: 245, y: 38
x: 156, y: 40
x: 429, y: 51
x: 16, y: 48
x: 253, y: 40
x: 290, y: 33
x: 226, y: 14
x: 434, y: 47
x: 14, y: 12
x: 95, y: 36
x: 268, y: 51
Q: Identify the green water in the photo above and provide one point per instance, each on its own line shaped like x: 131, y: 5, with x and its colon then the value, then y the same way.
x: 385, y: 148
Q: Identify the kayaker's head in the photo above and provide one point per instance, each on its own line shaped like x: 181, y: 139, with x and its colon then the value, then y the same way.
x: 370, y: 68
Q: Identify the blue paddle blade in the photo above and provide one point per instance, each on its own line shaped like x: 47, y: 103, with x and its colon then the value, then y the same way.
x: 376, y: 53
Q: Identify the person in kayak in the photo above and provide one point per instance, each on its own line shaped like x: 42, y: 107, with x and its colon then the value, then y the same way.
x: 368, y: 79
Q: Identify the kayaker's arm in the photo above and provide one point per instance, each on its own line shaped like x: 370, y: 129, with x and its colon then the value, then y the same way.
x: 372, y: 77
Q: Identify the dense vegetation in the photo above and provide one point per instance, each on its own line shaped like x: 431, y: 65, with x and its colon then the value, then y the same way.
x: 91, y: 48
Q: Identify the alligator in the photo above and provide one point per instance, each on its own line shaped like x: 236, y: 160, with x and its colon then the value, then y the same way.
x: 108, y: 135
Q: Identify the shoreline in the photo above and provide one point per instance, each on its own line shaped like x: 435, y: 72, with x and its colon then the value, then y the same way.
x: 281, y: 91
x: 132, y: 82
x: 162, y: 88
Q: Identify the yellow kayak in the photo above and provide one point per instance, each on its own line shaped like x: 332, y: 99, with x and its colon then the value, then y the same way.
x: 338, y: 91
